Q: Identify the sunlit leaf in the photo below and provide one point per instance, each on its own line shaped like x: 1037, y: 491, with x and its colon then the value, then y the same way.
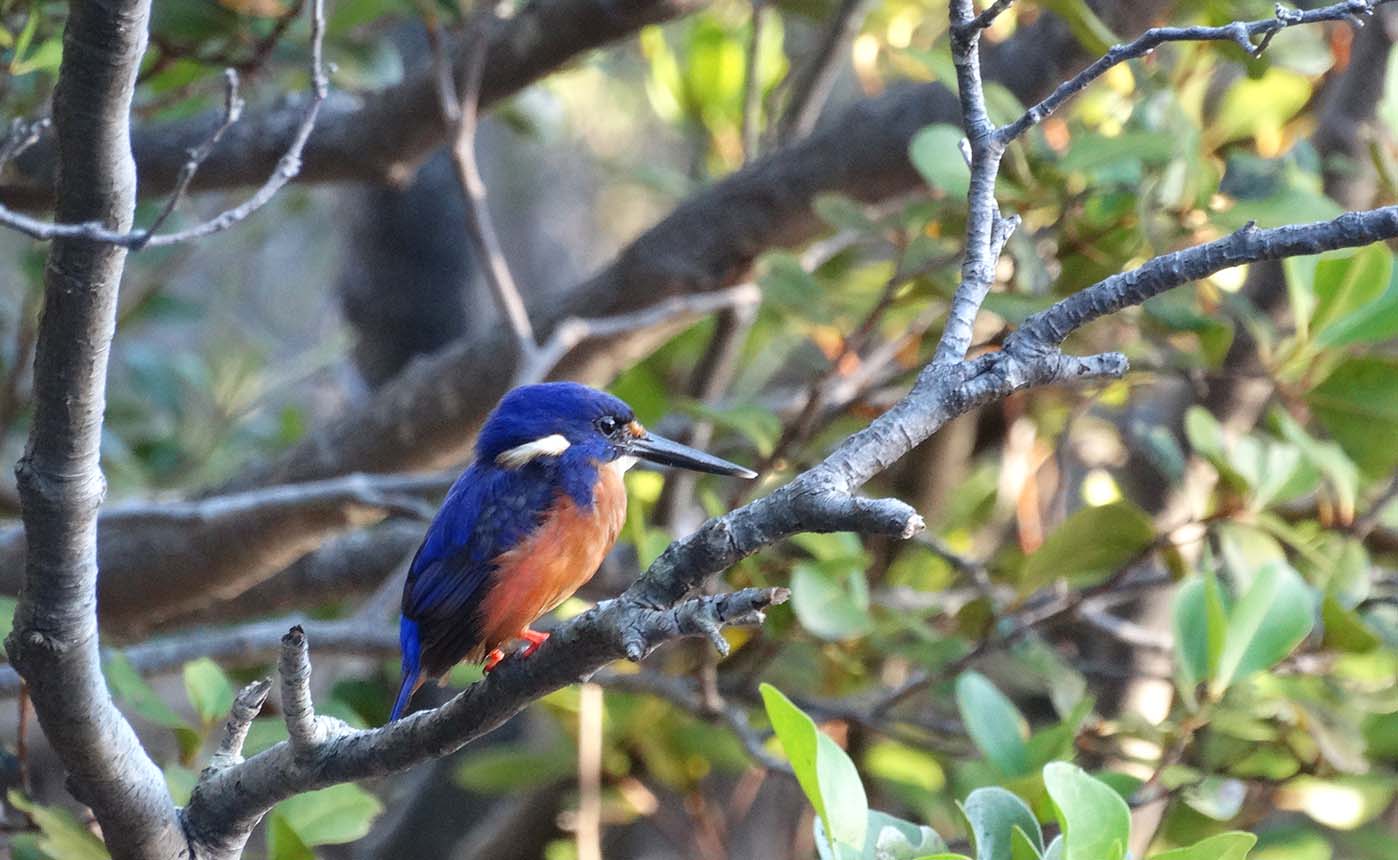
x: 331, y: 816
x: 936, y: 153
x: 62, y: 835
x: 1224, y: 846
x: 1096, y: 822
x: 209, y: 690
x: 1268, y: 621
x: 825, y: 772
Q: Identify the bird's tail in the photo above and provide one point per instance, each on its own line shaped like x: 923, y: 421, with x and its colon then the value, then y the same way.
x: 412, y: 675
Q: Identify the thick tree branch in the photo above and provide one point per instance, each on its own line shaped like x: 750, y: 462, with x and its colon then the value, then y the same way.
x: 227, y: 805
x: 160, y: 560
x: 379, y: 137
x: 54, y: 640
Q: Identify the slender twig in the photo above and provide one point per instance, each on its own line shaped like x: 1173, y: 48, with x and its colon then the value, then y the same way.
x: 22, y: 135
x: 1241, y: 33
x: 568, y: 334
x: 286, y: 170
x: 812, y: 83
x: 232, y: 110
x: 752, y: 82
x: 245, y: 708
x: 480, y: 229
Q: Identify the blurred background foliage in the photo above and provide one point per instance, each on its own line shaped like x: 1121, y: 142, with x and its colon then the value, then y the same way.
x: 1182, y: 588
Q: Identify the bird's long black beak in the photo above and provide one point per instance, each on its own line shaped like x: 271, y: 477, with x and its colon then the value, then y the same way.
x: 658, y: 449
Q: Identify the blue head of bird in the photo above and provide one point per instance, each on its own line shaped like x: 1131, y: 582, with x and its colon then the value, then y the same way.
x: 526, y: 525
x: 581, y: 425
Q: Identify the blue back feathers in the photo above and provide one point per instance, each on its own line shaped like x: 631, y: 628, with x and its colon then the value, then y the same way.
x: 489, y: 510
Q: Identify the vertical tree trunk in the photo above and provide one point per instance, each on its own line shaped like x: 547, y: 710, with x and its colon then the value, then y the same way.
x: 54, y: 643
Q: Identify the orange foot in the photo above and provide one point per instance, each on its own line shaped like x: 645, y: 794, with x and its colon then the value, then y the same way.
x: 534, y: 638
x: 493, y: 659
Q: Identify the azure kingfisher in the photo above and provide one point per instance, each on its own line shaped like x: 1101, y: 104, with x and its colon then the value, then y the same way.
x: 525, y: 525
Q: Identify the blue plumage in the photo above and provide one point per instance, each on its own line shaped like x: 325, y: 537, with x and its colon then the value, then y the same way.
x: 539, y: 453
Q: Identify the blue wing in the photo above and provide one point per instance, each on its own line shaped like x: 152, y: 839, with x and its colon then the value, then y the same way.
x: 487, y: 512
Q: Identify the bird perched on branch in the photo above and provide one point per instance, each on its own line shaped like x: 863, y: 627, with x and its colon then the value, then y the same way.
x: 525, y: 525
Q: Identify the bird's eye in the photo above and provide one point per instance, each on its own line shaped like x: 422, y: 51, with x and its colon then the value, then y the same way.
x: 607, y: 424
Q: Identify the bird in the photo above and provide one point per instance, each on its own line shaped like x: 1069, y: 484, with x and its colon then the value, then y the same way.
x: 525, y: 525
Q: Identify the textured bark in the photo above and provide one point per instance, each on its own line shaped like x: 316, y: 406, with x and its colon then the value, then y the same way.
x: 379, y: 137
x: 54, y: 641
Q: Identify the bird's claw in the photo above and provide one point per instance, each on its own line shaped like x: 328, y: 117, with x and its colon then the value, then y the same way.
x: 534, y: 638
x: 493, y: 659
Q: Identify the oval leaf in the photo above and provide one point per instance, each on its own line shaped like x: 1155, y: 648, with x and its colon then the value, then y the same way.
x: 996, y: 726
x: 1096, y: 822
x: 994, y: 815
x: 1272, y: 618
x: 1089, y: 546
x: 1233, y: 845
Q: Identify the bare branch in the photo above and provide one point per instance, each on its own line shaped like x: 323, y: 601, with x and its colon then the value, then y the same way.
x: 232, y: 110
x: 378, y: 137
x: 751, y: 130
x: 480, y: 229
x: 227, y: 804
x: 230, y: 543
x: 246, y: 706
x: 1241, y: 33
x: 985, y: 19
x: 53, y: 643
x: 288, y: 166
x: 811, y: 84
x: 678, y: 310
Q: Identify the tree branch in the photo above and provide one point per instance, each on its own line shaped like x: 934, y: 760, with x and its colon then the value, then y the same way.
x: 287, y: 168
x: 1241, y: 33
x: 54, y: 640
x: 227, y: 804
x: 379, y: 137
x: 225, y: 544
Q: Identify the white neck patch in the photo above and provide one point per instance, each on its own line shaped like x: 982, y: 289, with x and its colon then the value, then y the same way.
x: 548, y: 446
x: 621, y: 464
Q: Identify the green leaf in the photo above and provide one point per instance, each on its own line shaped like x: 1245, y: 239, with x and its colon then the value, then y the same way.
x: 1345, y: 630
x: 936, y: 153
x: 1200, y: 623
x: 1022, y: 846
x: 1089, y: 546
x: 331, y: 816
x: 1358, y: 404
x: 506, y: 768
x: 209, y: 690
x: 1260, y: 106
x: 994, y: 815
x: 1268, y: 621
x: 63, y: 836
x: 1377, y: 322
x: 1096, y: 822
x: 282, y: 841
x: 1346, y: 284
x: 130, y: 688
x: 830, y: 606
x: 1233, y: 845
x: 995, y: 725
x: 825, y: 772
x: 7, y: 616
x: 1094, y: 35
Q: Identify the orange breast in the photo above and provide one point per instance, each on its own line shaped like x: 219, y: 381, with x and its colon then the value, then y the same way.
x: 548, y: 566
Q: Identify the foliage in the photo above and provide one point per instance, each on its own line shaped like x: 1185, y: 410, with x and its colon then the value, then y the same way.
x: 1257, y: 547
